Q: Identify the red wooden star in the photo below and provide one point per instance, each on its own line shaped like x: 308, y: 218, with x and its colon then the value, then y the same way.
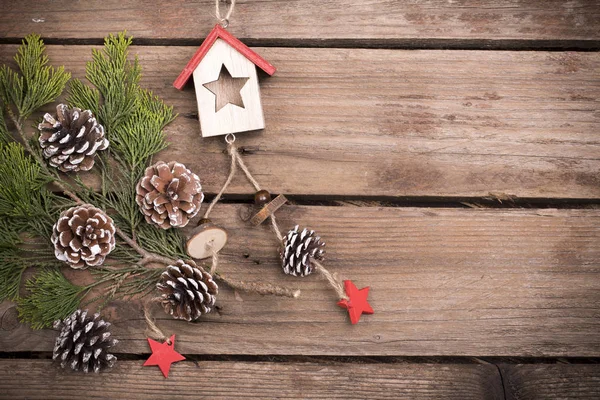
x: 163, y: 355
x: 357, y: 303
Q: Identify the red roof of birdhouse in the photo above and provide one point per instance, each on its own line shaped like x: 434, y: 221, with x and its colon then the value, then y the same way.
x: 220, y: 33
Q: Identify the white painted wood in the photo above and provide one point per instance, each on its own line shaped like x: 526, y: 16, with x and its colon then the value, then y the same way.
x: 231, y: 118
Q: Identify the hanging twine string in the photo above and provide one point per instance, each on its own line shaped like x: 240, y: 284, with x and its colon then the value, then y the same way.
x: 260, y: 288
x: 152, y: 330
x: 224, y: 20
x: 275, y: 228
x: 232, y: 171
x: 242, y: 164
x: 332, y: 279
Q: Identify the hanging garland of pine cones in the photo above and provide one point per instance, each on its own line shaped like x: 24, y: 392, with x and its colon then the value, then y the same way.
x: 299, y: 250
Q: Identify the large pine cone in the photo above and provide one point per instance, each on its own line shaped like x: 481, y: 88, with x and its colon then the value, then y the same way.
x: 83, y: 236
x: 83, y: 343
x: 71, y: 139
x: 299, y: 249
x: 187, y: 291
x: 169, y: 195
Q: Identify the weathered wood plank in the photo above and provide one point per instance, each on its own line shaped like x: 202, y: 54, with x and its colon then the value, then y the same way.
x: 449, y: 282
x: 556, y: 381
x: 314, y: 20
x: 399, y: 123
x: 38, y: 379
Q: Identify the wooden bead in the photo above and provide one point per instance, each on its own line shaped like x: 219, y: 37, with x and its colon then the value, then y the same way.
x: 205, y: 239
x: 204, y: 221
x: 262, y: 197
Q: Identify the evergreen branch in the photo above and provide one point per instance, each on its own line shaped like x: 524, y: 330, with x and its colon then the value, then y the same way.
x: 83, y: 96
x: 11, y: 272
x: 51, y: 297
x: 5, y: 137
x: 22, y: 180
x: 147, y: 256
x: 38, y: 83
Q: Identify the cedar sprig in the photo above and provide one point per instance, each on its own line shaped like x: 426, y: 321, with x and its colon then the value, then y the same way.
x: 51, y: 297
x: 36, y: 84
x: 134, y: 120
x: 4, y: 133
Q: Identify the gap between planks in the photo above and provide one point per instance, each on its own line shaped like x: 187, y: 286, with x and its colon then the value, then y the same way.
x: 389, y: 44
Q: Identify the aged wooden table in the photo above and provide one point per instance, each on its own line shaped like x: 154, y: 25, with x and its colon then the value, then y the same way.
x: 448, y: 151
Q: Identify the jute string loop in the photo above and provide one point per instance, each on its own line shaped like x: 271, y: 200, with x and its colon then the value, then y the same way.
x: 224, y: 20
x: 333, y: 280
x: 152, y: 330
x: 236, y: 160
x: 232, y: 171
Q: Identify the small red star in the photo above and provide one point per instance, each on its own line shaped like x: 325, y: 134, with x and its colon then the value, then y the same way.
x: 163, y: 355
x: 357, y: 303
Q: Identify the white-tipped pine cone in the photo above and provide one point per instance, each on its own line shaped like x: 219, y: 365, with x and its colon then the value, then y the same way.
x: 299, y: 250
x: 83, y: 343
x: 71, y: 139
x: 187, y: 291
x: 83, y: 236
x: 169, y: 195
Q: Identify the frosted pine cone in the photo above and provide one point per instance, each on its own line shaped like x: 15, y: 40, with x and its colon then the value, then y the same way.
x: 187, y: 291
x: 83, y: 236
x: 299, y: 249
x: 83, y: 343
x: 169, y: 195
x: 71, y: 139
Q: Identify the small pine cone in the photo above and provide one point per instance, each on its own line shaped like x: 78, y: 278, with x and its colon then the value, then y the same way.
x: 71, y: 139
x: 83, y: 343
x: 169, y: 195
x: 187, y: 291
x: 299, y: 248
x: 83, y: 236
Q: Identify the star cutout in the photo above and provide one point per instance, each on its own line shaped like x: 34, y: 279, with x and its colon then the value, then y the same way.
x: 357, y: 303
x: 163, y: 355
x: 227, y: 89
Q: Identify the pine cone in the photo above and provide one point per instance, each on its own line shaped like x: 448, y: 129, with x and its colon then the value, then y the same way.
x: 70, y: 140
x: 187, y: 291
x: 169, y: 195
x: 83, y: 236
x: 83, y: 343
x: 299, y: 248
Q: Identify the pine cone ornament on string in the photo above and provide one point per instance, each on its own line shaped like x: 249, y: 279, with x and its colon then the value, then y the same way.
x: 299, y: 249
x: 187, y: 291
x: 83, y: 343
x: 71, y: 139
x: 83, y: 236
x: 169, y: 195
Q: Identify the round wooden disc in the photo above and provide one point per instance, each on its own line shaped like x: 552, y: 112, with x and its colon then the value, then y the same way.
x: 197, y: 244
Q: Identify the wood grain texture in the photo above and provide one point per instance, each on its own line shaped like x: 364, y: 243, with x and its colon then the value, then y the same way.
x: 38, y: 379
x: 314, y: 20
x: 556, y: 381
x: 398, y: 123
x: 444, y: 282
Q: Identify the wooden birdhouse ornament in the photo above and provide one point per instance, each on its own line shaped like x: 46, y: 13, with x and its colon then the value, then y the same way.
x: 226, y: 84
